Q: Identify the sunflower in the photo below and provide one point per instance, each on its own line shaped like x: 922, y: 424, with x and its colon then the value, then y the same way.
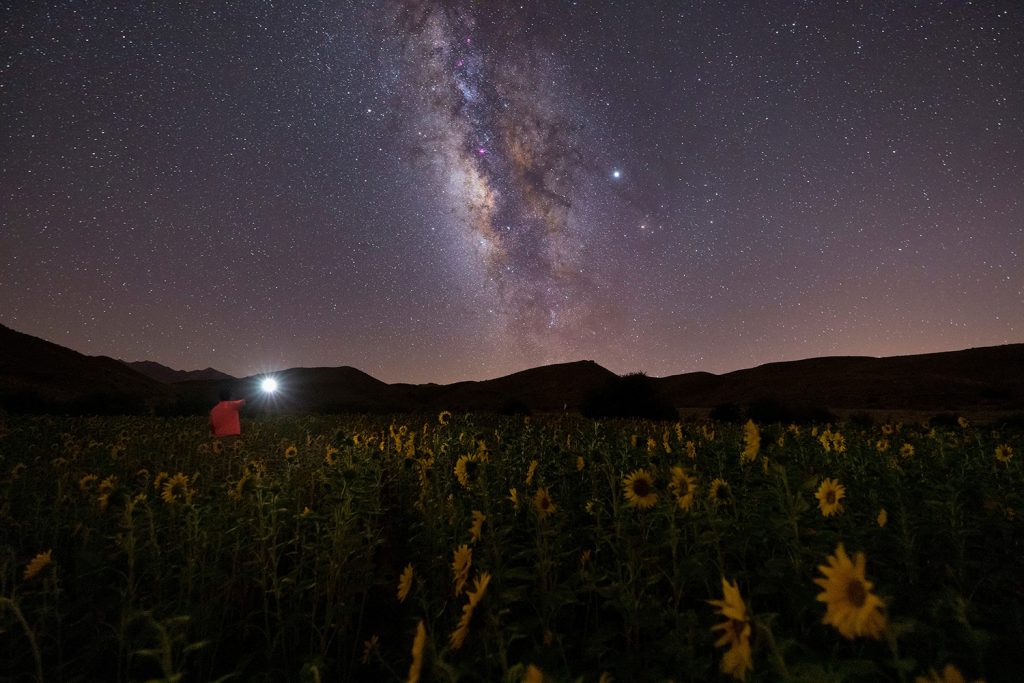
x: 829, y: 495
x: 290, y: 453
x: 462, y: 560
x: 683, y: 487
x: 1004, y: 453
x: 751, y: 442
x: 530, y: 471
x: 691, y: 450
x: 86, y: 481
x: 883, y: 518
x: 734, y: 632
x: 104, y: 491
x: 329, y: 454
x: 474, y: 596
x: 906, y: 451
x: 444, y: 417
x: 370, y: 648
x: 37, y: 564
x: 838, y: 443
x: 639, y: 486
x: 418, y: 645
x: 720, y: 493
x: 177, y: 487
x: 477, y: 527
x: 963, y: 422
x: 882, y: 445
x: 513, y: 496
x: 405, y: 583
x: 542, y: 502
x: 533, y: 674
x: 851, y: 607
x: 949, y: 674
x: 466, y: 469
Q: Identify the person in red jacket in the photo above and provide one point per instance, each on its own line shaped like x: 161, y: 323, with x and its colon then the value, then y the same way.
x: 224, y: 416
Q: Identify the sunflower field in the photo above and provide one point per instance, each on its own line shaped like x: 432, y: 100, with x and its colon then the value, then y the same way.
x: 486, y: 548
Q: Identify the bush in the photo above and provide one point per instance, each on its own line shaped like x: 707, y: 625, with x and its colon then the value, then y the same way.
x: 629, y: 396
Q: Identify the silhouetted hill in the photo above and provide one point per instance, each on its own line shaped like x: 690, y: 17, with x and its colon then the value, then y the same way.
x: 983, y: 378
x: 549, y: 388
x: 162, y: 373
x: 39, y: 376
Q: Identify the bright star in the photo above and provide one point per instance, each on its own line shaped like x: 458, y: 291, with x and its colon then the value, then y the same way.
x: 616, y: 174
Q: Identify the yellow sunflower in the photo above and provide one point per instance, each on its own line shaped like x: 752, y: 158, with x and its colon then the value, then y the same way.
x: 466, y: 469
x: 906, y: 451
x: 462, y: 560
x: 329, y: 456
x: 542, y: 503
x: 720, y: 493
x: 533, y: 674
x: 37, y: 564
x: 639, y: 486
x: 851, y: 607
x: 882, y: 445
x: 751, y: 442
x: 683, y: 487
x: 418, y: 645
x: 476, y: 528
x: 734, y: 632
x: 444, y: 417
x: 949, y: 674
x: 691, y: 450
x: 829, y: 495
x: 1004, y: 453
x: 480, y: 583
x: 290, y: 453
x: 405, y: 583
x: 177, y: 488
x: 530, y: 471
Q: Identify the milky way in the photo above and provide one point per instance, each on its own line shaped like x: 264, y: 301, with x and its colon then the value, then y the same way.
x: 447, y: 190
x: 494, y: 120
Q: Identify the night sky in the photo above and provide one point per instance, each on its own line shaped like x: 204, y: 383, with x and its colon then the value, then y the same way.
x: 436, y: 191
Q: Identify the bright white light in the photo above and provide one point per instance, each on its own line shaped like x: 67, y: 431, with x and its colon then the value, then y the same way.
x: 269, y: 385
x: 616, y: 174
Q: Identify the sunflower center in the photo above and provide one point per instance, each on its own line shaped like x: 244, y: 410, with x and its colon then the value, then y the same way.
x: 544, y: 503
x: 721, y: 493
x: 830, y: 497
x: 470, y: 469
x: 856, y: 593
x: 641, y: 487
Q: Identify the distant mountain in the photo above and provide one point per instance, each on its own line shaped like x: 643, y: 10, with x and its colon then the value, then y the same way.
x: 162, y: 373
x: 39, y: 376
x: 988, y: 378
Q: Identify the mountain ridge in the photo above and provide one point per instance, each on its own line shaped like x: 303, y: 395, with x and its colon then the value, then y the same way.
x: 38, y: 376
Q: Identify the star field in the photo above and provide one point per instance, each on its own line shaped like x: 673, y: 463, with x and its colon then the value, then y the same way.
x: 439, y: 191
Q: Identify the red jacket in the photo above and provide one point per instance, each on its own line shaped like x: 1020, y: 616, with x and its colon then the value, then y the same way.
x: 224, y: 418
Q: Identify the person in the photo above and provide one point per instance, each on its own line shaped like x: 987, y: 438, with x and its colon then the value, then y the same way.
x: 224, y: 416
